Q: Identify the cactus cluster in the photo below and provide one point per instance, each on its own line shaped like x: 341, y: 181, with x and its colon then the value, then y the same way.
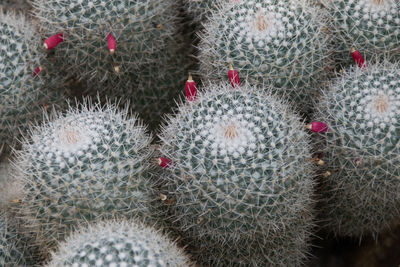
x: 93, y: 162
x: 101, y: 39
x: 372, y: 26
x: 239, y: 160
x: 281, y: 43
x: 119, y: 243
x: 361, y: 150
x: 23, y: 90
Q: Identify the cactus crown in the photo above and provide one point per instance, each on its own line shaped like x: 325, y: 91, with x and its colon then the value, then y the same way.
x: 119, y: 244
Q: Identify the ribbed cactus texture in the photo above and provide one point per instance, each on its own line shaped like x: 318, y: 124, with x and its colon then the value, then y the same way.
x: 281, y: 43
x: 371, y: 26
x: 240, y: 171
x: 90, y: 163
x: 152, y: 92
x: 22, y: 96
x: 361, y: 150
x: 139, y: 28
x: 119, y: 243
x: 10, y: 253
x: 200, y: 10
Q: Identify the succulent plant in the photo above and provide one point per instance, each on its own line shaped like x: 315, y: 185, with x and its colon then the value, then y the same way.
x: 93, y: 162
x: 372, y: 26
x: 103, y: 39
x: 10, y: 253
x: 279, y: 43
x: 119, y: 243
x: 239, y: 171
x: 20, y: 5
x: 361, y: 150
x: 153, y: 90
x: 22, y: 96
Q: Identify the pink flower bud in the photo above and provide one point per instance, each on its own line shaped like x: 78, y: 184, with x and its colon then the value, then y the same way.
x: 191, y: 89
x: 318, y: 127
x: 112, y: 44
x: 233, y: 76
x: 358, y: 58
x: 164, y: 162
x: 53, y: 41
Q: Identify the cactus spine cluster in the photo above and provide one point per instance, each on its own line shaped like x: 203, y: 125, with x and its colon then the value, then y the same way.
x: 281, y: 43
x: 121, y: 243
x: 22, y: 96
x: 101, y: 39
x: 372, y: 26
x: 239, y: 162
x: 361, y: 150
x: 93, y: 162
x: 10, y: 253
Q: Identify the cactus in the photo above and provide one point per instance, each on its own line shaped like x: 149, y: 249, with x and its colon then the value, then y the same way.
x: 372, y: 26
x: 281, y: 43
x: 239, y: 163
x: 200, y: 10
x: 152, y: 92
x: 10, y: 253
x: 118, y: 243
x: 20, y: 5
x: 361, y: 150
x: 22, y: 97
x: 133, y: 31
x: 93, y: 162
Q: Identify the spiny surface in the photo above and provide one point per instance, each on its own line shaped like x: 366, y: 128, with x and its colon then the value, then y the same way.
x: 281, y: 43
x: 119, y: 244
x: 362, y: 150
x: 371, y: 26
x: 22, y: 96
x: 10, y: 253
x: 240, y: 163
x: 140, y: 29
x: 90, y: 163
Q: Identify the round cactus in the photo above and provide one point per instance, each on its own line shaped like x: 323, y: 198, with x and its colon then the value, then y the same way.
x: 101, y: 39
x: 91, y: 163
x: 371, y: 26
x: 361, y: 150
x: 281, y: 43
x: 118, y: 243
x: 239, y: 163
x: 22, y: 96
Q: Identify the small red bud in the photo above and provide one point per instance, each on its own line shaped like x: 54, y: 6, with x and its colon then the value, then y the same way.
x: 164, y: 162
x: 358, y: 58
x: 112, y: 44
x: 233, y: 76
x: 317, y: 127
x: 191, y: 89
x: 53, y: 41
x: 37, y: 70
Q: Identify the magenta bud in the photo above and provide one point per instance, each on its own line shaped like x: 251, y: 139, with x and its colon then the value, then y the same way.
x: 318, y: 127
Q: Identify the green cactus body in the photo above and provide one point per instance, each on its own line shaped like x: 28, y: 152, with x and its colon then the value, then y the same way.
x: 361, y: 151
x: 140, y: 28
x: 200, y: 10
x: 10, y: 254
x: 20, y: 5
x: 371, y: 26
x: 240, y: 163
x: 281, y: 43
x: 119, y: 243
x: 22, y: 96
x: 91, y: 163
